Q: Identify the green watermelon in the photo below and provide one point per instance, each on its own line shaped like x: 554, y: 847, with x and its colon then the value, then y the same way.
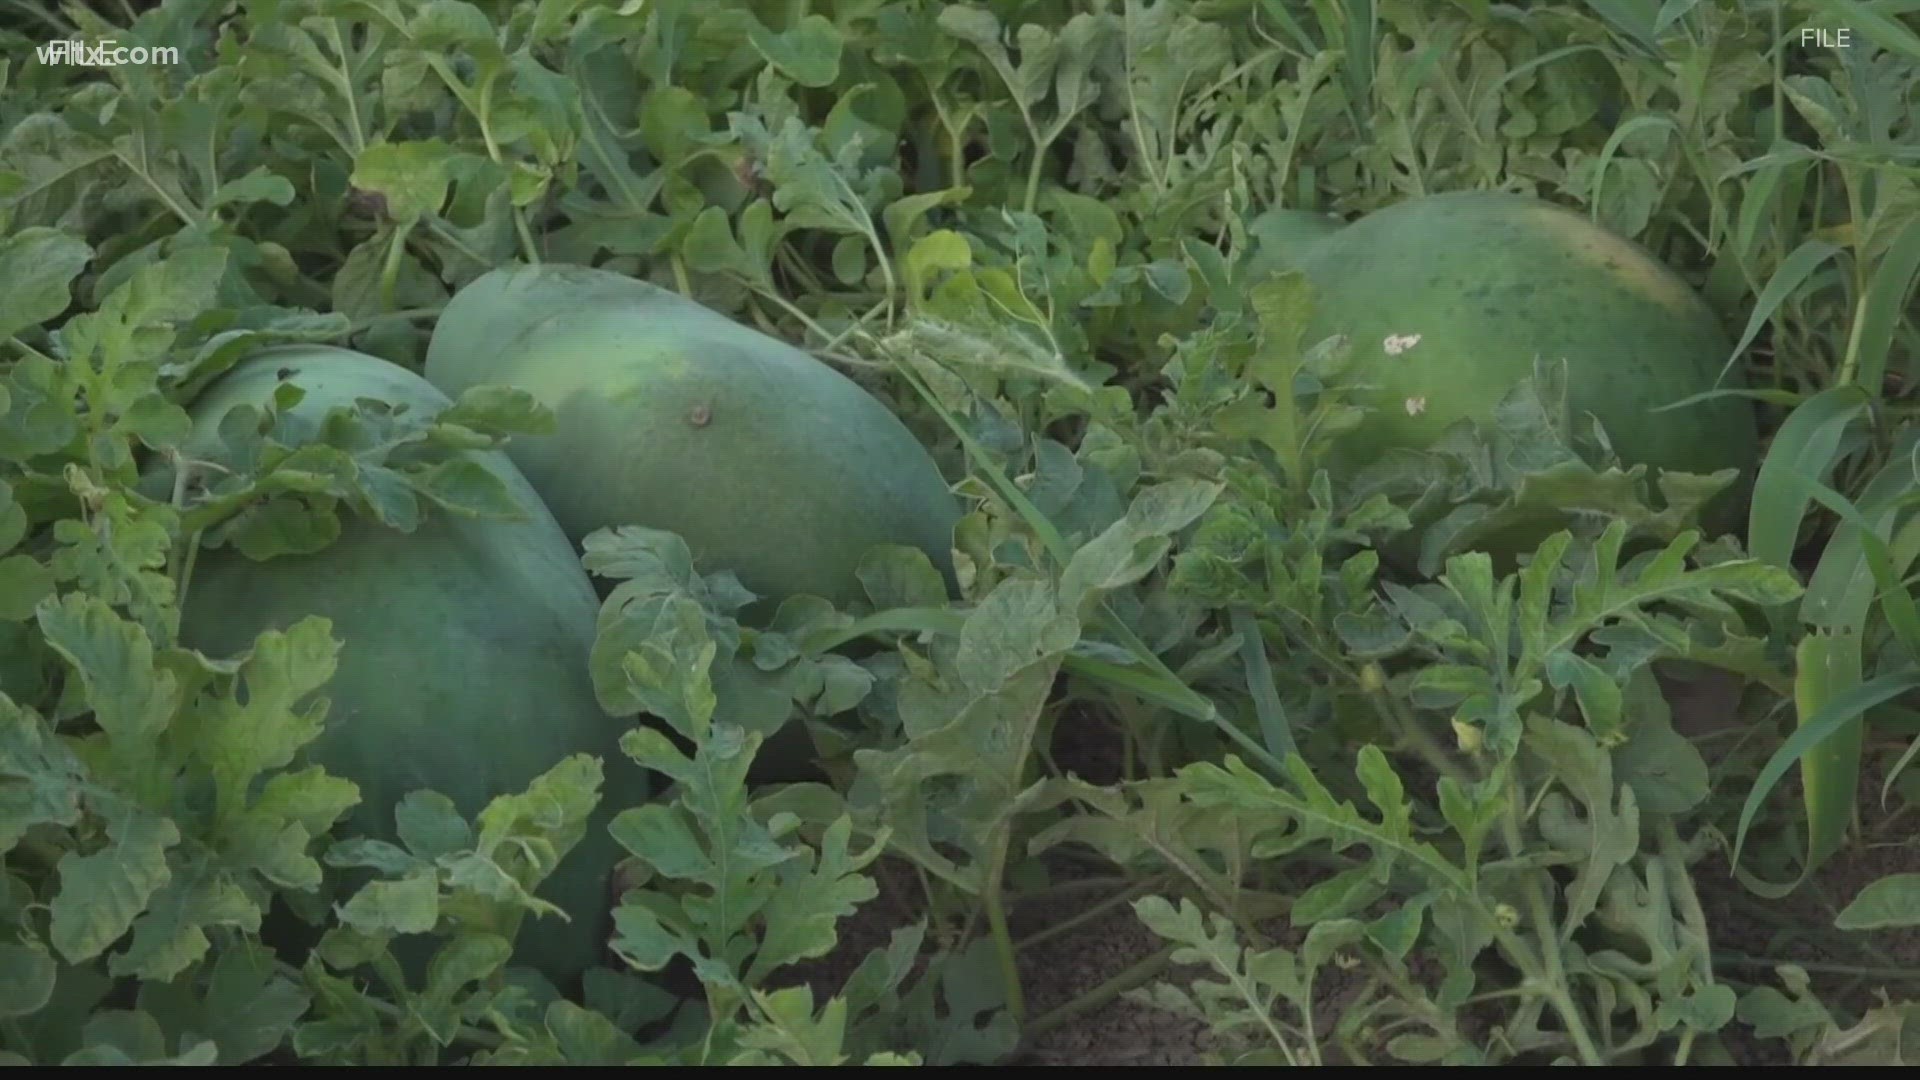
x: 1449, y: 300
x: 463, y: 664
x: 768, y: 462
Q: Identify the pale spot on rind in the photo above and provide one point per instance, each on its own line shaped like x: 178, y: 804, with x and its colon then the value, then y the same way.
x: 1395, y: 344
x: 1416, y: 406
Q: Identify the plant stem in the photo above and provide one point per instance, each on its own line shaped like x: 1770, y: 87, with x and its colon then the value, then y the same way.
x: 1092, y: 914
x: 447, y: 235
x: 1686, y: 1047
x: 1693, y: 918
x: 1135, y: 976
x: 1033, y: 176
x: 1080, y: 885
x: 997, y: 926
x: 390, y: 269
x: 1553, y: 977
x: 356, y: 128
x: 527, y: 246
x: 1819, y: 967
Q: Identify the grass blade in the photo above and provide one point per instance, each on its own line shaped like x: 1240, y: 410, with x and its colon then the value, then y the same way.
x: 1803, y: 452
x: 1267, y: 706
x: 1839, y: 595
x: 1826, y: 713
x: 1793, y: 271
x: 1881, y: 308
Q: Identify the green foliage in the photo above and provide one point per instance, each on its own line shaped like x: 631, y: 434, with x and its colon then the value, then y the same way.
x: 1378, y: 795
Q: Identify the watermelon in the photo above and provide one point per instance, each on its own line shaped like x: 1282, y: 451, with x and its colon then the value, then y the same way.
x: 768, y: 462
x: 1450, y: 299
x: 463, y: 663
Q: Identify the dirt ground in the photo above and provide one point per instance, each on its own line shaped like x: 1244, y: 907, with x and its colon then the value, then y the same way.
x: 1752, y: 933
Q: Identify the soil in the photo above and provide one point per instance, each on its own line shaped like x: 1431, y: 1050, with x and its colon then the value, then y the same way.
x: 1752, y: 935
